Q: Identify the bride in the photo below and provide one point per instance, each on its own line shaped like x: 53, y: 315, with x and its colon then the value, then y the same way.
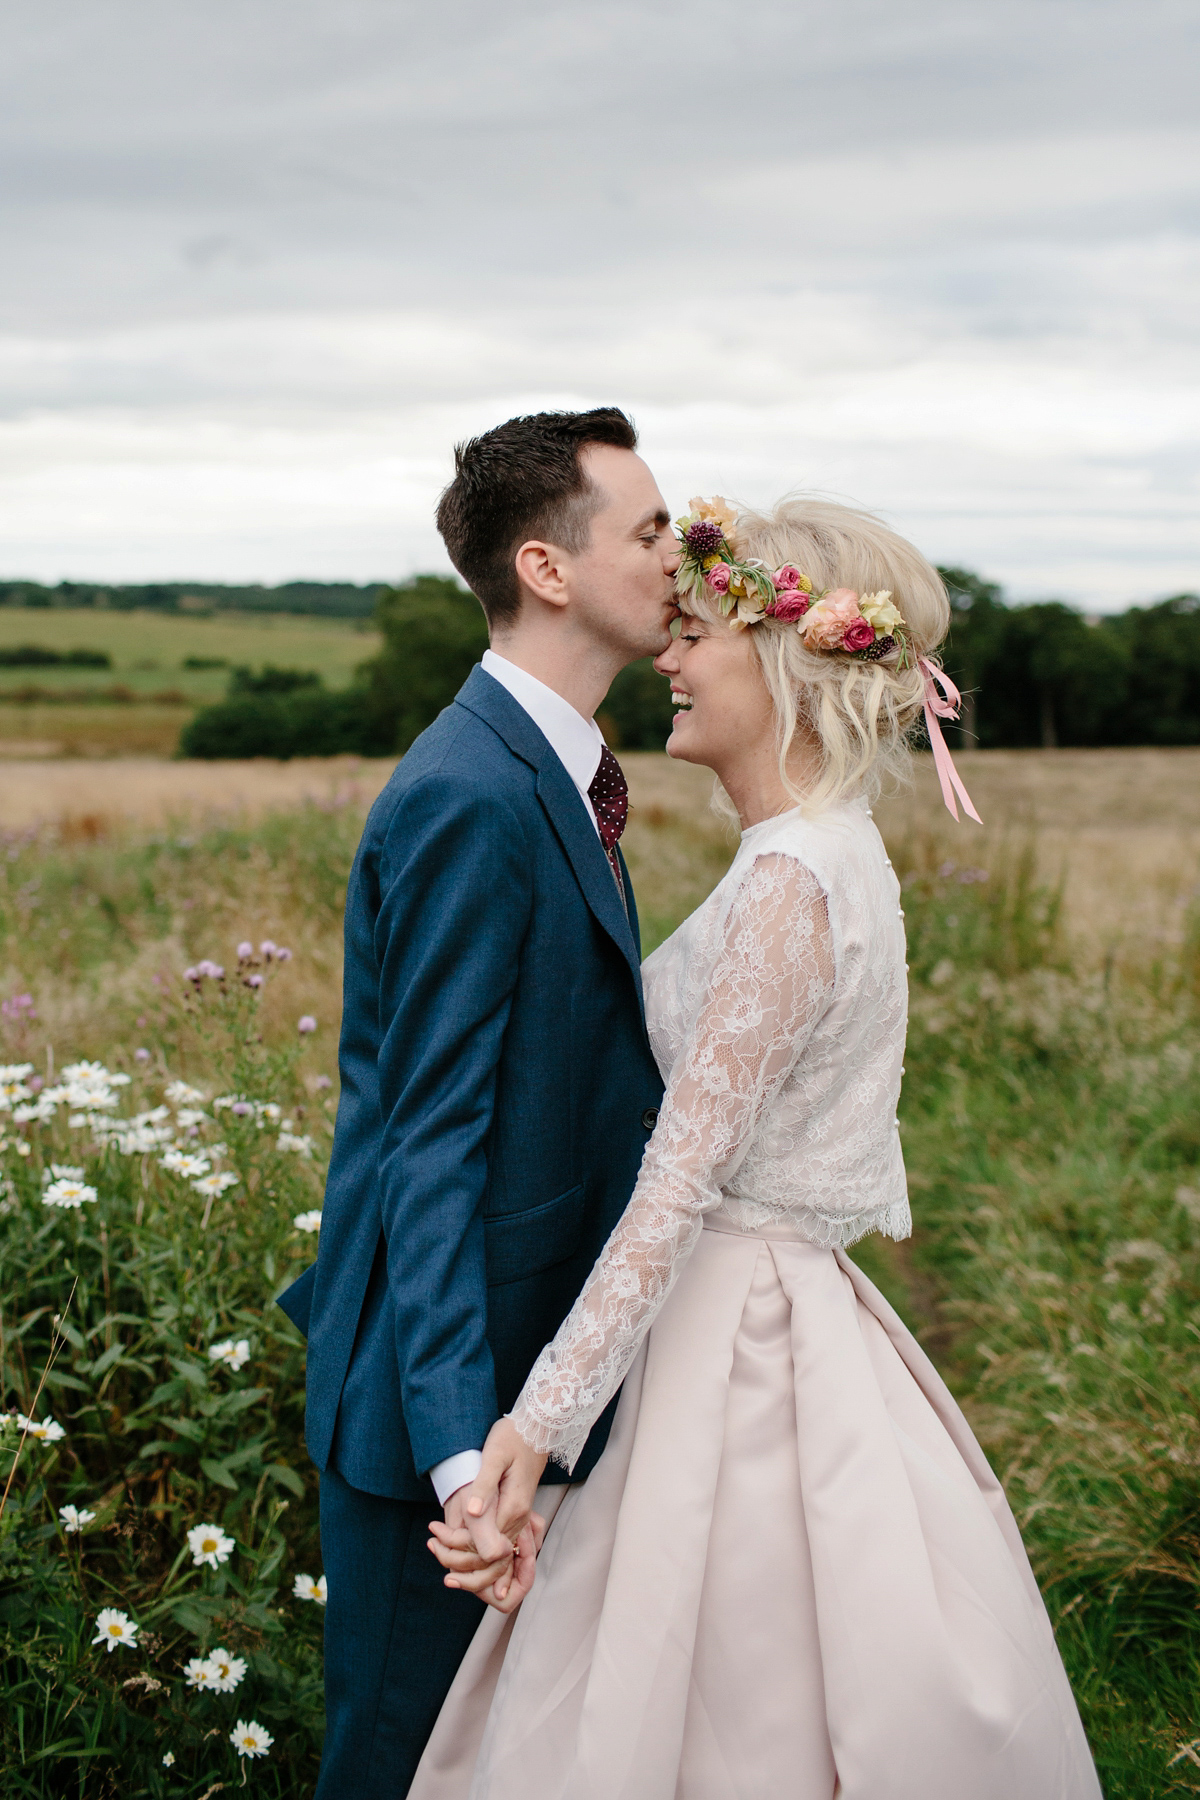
x: 792, y: 1573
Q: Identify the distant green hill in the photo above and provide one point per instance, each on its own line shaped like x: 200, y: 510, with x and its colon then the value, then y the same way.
x: 332, y: 599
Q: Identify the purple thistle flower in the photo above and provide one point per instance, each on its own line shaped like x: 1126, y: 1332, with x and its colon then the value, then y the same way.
x: 704, y: 537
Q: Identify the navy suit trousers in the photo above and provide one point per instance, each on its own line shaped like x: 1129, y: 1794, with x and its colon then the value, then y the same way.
x: 394, y: 1637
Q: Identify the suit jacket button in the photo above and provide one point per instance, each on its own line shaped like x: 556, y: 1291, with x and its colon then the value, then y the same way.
x: 650, y: 1118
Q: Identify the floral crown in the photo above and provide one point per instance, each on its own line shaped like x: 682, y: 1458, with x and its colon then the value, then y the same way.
x: 866, y: 627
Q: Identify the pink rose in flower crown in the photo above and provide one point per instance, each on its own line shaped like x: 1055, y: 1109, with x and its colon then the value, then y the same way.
x: 825, y: 624
x: 787, y: 578
x: 791, y: 605
x: 858, y: 635
x: 718, y: 577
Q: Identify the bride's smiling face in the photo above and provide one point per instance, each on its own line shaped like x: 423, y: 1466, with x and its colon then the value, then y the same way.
x: 725, y: 710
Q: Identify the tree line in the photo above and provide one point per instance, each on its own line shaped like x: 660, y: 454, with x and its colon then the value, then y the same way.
x: 1039, y: 675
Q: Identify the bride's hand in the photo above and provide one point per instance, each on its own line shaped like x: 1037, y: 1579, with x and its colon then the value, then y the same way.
x: 507, y: 1483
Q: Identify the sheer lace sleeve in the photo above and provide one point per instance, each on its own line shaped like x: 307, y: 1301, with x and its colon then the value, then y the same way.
x: 772, y: 982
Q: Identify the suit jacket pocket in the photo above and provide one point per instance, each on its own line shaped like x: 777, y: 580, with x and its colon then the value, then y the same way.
x: 525, y: 1243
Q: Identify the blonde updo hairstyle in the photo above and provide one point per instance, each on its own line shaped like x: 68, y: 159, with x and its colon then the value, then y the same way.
x: 861, y: 714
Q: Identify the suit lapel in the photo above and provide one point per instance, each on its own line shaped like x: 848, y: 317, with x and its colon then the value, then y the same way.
x: 564, y: 807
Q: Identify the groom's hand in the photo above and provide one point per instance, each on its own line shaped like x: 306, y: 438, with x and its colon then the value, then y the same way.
x: 504, y: 1590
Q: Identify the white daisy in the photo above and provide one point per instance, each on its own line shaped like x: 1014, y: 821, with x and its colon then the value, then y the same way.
x: 227, y: 1670
x: 208, y: 1544
x: 199, y: 1672
x: 300, y: 1145
x: 229, y: 1352
x: 62, y: 1172
x: 74, y: 1518
x: 308, y: 1221
x: 187, y: 1116
x: 168, y: 1759
x: 48, y: 1432
x: 209, y: 1185
x: 249, y: 1738
x: 68, y: 1193
x: 305, y: 1588
x: 180, y: 1094
x: 180, y: 1162
x: 113, y: 1628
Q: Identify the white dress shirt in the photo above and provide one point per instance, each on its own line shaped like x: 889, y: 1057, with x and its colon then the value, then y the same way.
x: 577, y: 743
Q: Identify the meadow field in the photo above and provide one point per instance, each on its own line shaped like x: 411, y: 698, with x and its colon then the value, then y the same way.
x: 1051, y: 1123
x: 164, y: 666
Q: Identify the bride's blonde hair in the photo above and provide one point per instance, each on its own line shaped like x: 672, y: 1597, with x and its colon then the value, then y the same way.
x: 861, y: 714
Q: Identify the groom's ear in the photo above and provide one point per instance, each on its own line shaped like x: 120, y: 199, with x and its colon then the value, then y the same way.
x: 543, y: 572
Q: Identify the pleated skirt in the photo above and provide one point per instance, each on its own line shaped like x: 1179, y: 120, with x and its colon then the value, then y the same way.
x: 791, y: 1576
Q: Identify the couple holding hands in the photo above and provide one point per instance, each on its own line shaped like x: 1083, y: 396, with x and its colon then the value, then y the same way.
x: 711, y: 1525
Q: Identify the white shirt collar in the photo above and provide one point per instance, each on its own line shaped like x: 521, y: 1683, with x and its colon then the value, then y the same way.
x: 577, y: 742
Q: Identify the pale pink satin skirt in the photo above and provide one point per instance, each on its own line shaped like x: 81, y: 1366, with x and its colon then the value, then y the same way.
x: 791, y: 1576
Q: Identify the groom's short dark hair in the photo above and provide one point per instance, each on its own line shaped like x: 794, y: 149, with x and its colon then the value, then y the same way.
x: 523, y: 480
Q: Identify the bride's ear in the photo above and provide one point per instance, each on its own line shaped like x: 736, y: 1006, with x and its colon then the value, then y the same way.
x: 541, y: 571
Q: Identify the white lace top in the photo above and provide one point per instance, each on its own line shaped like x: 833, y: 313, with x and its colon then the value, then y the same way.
x: 777, y: 1013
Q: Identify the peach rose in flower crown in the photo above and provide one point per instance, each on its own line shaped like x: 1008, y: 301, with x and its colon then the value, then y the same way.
x: 824, y: 626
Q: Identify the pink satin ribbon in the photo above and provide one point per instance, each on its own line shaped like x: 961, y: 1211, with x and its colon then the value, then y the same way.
x: 944, y: 705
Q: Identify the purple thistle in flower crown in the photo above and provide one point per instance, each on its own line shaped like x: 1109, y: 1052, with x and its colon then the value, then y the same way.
x: 704, y: 538
x: 883, y: 646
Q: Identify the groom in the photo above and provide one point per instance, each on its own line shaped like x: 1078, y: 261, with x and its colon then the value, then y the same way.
x: 498, y: 1088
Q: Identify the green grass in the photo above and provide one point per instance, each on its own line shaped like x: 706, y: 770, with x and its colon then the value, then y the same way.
x: 149, y: 650
x: 1050, y: 1127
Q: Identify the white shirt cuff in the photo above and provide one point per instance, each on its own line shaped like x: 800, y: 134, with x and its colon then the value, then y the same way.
x: 455, y: 1472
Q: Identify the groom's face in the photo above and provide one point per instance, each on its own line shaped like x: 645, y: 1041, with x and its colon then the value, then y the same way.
x: 623, y: 582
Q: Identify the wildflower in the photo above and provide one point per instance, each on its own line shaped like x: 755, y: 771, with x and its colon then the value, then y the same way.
x: 245, y: 950
x: 306, y: 1024
x: 229, y: 1352
x: 74, y: 1518
x: 188, y: 1116
x: 63, y: 1172
x: 323, y: 1081
x: 301, y: 1144
x: 168, y: 1760
x: 253, y: 981
x: 212, y: 1185
x: 13, y: 1086
x: 179, y: 1162
x: 268, y: 948
x: 227, y: 1670
x: 283, y: 954
x: 305, y: 1588
x: 249, y: 1738
x: 68, y: 1193
x: 213, y: 971
x: 208, y: 1544
x: 198, y: 1672
x: 180, y: 1094
x: 308, y: 1221
x: 48, y: 1432
x: 113, y: 1628
x: 143, y: 1056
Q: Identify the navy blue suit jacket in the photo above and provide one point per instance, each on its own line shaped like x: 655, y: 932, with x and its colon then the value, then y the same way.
x: 498, y: 1090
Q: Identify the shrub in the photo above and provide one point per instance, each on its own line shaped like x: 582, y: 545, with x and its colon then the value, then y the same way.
x: 143, y: 1246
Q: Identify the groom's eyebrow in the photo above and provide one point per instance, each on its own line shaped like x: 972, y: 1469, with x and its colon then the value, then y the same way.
x: 659, y: 518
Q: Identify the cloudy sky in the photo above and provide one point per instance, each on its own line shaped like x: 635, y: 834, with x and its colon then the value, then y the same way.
x: 264, y: 260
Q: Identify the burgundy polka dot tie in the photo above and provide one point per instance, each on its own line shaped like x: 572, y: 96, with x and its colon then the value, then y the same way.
x: 609, y: 795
